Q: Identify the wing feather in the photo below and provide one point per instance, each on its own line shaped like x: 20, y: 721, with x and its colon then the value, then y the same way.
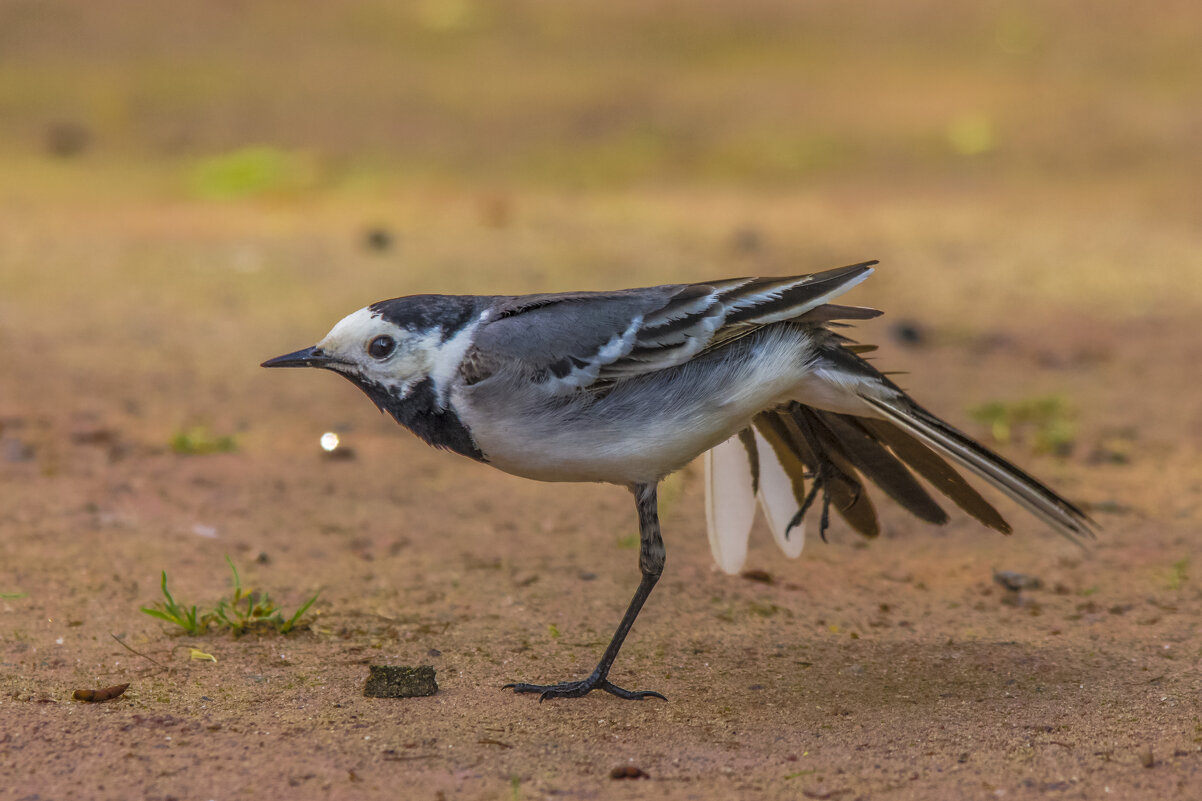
x: 585, y: 340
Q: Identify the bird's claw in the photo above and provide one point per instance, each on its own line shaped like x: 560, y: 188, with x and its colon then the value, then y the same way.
x: 576, y: 689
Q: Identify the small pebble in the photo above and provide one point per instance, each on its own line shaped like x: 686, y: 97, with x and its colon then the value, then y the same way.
x: 14, y: 450
x: 496, y: 210
x: 908, y: 332
x: 67, y: 138
x: 378, y: 238
x: 747, y: 240
x: 1016, y: 581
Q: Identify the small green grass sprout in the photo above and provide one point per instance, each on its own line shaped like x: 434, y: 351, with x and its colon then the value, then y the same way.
x: 199, y: 440
x: 185, y: 617
x: 1180, y: 574
x: 245, y: 610
x: 1048, y: 423
x: 254, y: 171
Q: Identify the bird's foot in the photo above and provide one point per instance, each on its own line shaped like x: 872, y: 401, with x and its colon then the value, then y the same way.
x: 822, y: 477
x: 576, y: 689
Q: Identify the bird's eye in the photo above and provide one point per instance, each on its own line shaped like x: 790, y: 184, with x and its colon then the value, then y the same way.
x: 381, y: 347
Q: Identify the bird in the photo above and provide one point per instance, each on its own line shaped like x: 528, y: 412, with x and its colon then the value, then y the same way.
x: 626, y: 387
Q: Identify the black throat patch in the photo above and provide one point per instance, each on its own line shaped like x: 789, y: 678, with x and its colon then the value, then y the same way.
x: 419, y: 413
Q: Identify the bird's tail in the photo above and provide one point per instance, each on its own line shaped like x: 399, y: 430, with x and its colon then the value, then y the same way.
x: 925, y: 429
x: 777, y: 459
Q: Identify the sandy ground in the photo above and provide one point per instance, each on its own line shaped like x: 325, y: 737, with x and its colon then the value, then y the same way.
x: 885, y: 669
x: 1060, y: 260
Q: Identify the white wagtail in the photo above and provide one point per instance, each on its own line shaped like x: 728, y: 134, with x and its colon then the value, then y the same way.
x: 626, y: 387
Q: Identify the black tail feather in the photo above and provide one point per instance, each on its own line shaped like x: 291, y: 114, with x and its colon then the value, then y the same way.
x: 804, y: 437
x: 875, y: 461
x: 936, y: 470
x: 784, y: 429
x: 1058, y: 512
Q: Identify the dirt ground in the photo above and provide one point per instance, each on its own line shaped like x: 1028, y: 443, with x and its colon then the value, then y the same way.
x: 1062, y: 261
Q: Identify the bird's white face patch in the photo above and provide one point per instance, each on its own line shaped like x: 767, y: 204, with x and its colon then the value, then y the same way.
x: 360, y: 346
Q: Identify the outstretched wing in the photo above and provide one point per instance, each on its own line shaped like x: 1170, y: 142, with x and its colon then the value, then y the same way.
x: 591, y: 340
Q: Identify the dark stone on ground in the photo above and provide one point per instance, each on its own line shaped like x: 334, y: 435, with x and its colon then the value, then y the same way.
x: 400, y: 681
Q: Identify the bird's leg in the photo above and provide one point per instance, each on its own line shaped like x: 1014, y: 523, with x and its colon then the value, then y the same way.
x: 825, y: 471
x: 807, y: 502
x: 651, y: 564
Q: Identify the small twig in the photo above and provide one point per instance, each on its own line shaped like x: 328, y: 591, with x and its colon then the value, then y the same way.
x: 137, y: 653
x: 493, y: 741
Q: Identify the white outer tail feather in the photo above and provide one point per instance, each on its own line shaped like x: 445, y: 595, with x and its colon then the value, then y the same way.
x: 777, y: 500
x: 730, y: 502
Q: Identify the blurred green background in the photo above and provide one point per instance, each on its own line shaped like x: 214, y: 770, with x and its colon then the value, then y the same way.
x: 225, y: 167
x: 765, y: 94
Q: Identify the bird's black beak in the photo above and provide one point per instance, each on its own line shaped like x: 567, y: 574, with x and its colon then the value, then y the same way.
x: 309, y: 357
